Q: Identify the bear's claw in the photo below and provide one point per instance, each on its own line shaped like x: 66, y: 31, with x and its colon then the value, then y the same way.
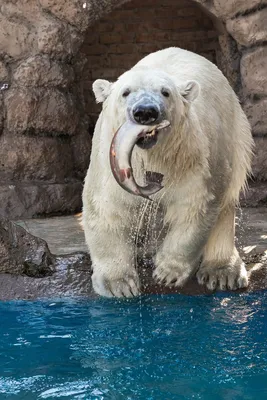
x: 127, y: 286
x: 174, y: 276
x: 230, y: 277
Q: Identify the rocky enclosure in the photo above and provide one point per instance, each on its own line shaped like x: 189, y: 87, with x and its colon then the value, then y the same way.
x: 44, y: 138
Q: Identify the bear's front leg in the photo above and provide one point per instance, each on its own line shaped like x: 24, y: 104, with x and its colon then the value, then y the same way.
x: 112, y: 254
x: 179, y: 255
x: 222, y: 267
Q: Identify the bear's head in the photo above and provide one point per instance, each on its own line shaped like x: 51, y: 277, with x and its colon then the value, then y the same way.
x: 146, y: 96
x: 141, y: 105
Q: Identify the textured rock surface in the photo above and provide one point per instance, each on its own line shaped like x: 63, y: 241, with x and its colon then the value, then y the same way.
x: 249, y: 30
x: 73, y: 11
x: 40, y: 158
x: 20, y: 200
x: 23, y: 254
x: 48, y: 111
x: 256, y: 196
x: 231, y: 8
x: 81, y: 148
x: 41, y: 100
x: 257, y: 114
x: 17, y: 40
x: 42, y: 71
x: 253, y: 71
x: 58, y: 39
x: 1, y: 113
x: 260, y: 160
x: 3, y: 73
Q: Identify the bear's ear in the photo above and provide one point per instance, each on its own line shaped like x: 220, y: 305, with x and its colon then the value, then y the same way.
x: 190, y: 91
x: 101, y: 89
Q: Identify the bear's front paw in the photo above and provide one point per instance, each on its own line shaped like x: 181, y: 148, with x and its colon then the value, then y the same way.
x: 107, y: 285
x: 230, y: 276
x: 172, y: 273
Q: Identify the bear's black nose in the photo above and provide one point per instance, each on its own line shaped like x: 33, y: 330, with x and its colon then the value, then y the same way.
x: 145, y: 114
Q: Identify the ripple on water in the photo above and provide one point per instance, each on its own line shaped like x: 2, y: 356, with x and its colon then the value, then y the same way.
x: 164, y: 347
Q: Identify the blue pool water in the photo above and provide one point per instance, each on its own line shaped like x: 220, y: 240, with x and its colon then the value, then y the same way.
x: 162, y: 347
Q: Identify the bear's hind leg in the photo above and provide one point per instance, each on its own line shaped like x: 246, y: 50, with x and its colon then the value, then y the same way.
x: 222, y: 266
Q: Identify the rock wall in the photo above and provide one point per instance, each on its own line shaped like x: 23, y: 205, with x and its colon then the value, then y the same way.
x: 44, y: 139
x: 44, y: 118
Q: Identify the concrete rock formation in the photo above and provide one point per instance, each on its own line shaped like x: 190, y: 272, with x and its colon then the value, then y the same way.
x: 51, y: 50
x: 23, y: 254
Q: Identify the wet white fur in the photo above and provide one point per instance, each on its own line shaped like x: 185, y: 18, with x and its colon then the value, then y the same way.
x: 205, y: 159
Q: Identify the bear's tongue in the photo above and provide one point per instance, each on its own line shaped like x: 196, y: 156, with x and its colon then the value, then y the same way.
x: 124, y: 140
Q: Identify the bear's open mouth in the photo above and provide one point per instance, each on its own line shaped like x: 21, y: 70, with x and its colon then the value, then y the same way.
x: 149, y: 140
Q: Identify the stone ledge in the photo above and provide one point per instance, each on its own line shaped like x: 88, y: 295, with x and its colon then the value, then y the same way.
x: 72, y: 272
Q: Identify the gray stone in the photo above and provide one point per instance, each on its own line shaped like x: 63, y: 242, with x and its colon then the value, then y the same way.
x: 256, y: 112
x: 76, y: 12
x: 25, y: 200
x: 255, y: 196
x: 42, y: 71
x: 3, y: 73
x: 259, y: 164
x: 81, y: 148
x: 31, y: 158
x: 23, y: 11
x: 228, y: 60
x: 253, y: 68
x: 1, y: 113
x: 230, y: 8
x: 17, y: 40
x: 59, y: 40
x: 249, y: 30
x: 21, y: 253
x: 46, y: 111
x: 64, y: 234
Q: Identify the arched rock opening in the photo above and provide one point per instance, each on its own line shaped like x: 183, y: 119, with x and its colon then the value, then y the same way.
x: 121, y: 38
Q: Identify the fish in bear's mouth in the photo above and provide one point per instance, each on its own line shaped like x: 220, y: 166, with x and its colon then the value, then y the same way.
x: 122, y: 145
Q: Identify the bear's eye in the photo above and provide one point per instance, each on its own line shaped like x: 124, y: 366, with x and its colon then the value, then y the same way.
x: 126, y: 93
x: 165, y: 93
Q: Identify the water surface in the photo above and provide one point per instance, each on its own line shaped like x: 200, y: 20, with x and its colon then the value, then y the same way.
x: 162, y: 347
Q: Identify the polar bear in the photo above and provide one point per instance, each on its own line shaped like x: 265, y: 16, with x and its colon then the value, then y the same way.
x: 204, y: 157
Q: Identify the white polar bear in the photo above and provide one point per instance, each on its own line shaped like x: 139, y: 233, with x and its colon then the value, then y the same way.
x: 204, y: 156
